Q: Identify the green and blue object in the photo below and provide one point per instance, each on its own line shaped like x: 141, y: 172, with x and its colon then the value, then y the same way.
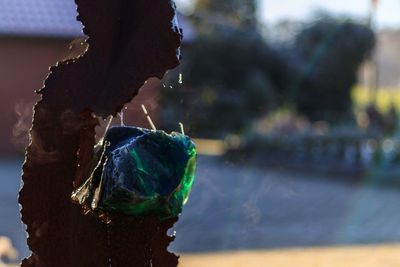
x: 140, y: 171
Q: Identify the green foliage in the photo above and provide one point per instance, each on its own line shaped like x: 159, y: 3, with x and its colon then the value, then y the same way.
x: 236, y: 13
x: 332, y: 51
x: 222, y: 94
x: 232, y: 76
x: 225, y: 78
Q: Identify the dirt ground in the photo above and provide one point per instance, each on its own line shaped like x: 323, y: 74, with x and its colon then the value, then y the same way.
x: 360, y: 256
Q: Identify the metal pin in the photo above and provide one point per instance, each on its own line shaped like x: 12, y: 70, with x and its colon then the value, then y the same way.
x: 182, y: 130
x: 148, y: 118
x: 109, y: 124
x: 110, y: 119
x: 121, y: 116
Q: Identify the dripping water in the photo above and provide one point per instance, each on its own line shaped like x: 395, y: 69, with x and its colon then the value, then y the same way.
x: 108, y: 222
x: 151, y: 258
x: 180, y: 80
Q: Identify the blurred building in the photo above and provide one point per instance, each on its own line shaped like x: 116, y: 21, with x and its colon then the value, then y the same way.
x: 33, y: 36
x: 387, y: 57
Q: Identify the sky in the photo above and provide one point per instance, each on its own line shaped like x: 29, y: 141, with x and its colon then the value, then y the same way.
x: 388, y: 12
x: 271, y: 11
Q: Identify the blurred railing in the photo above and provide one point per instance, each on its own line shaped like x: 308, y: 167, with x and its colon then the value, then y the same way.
x: 331, y: 152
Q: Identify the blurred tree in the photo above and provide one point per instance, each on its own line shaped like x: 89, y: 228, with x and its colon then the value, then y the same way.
x: 225, y: 79
x: 231, y: 75
x: 234, y: 13
x: 332, y: 51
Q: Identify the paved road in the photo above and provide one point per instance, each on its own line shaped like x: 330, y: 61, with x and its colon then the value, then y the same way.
x: 244, y: 207
x: 10, y: 223
x: 236, y: 207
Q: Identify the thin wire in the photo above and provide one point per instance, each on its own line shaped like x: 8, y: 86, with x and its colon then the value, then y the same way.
x: 121, y: 115
x: 182, y: 130
x: 107, y: 127
x: 148, y: 118
x: 109, y: 124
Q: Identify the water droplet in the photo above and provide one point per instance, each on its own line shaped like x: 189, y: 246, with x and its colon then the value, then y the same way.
x: 180, y: 81
x: 108, y: 239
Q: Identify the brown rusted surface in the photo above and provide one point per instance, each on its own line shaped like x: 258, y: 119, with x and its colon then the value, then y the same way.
x: 85, y: 151
x: 129, y: 41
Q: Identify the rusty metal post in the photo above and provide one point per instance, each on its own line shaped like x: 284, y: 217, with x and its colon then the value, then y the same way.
x: 129, y: 42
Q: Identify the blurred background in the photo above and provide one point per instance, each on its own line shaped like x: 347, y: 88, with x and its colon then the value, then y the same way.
x: 293, y: 105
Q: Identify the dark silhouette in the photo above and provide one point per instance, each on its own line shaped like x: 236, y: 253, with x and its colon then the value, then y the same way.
x: 129, y: 42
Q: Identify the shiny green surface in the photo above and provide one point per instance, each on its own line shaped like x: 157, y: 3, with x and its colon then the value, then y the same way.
x: 150, y: 171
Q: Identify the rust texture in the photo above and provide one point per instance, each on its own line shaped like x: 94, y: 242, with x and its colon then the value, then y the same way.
x: 129, y: 41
